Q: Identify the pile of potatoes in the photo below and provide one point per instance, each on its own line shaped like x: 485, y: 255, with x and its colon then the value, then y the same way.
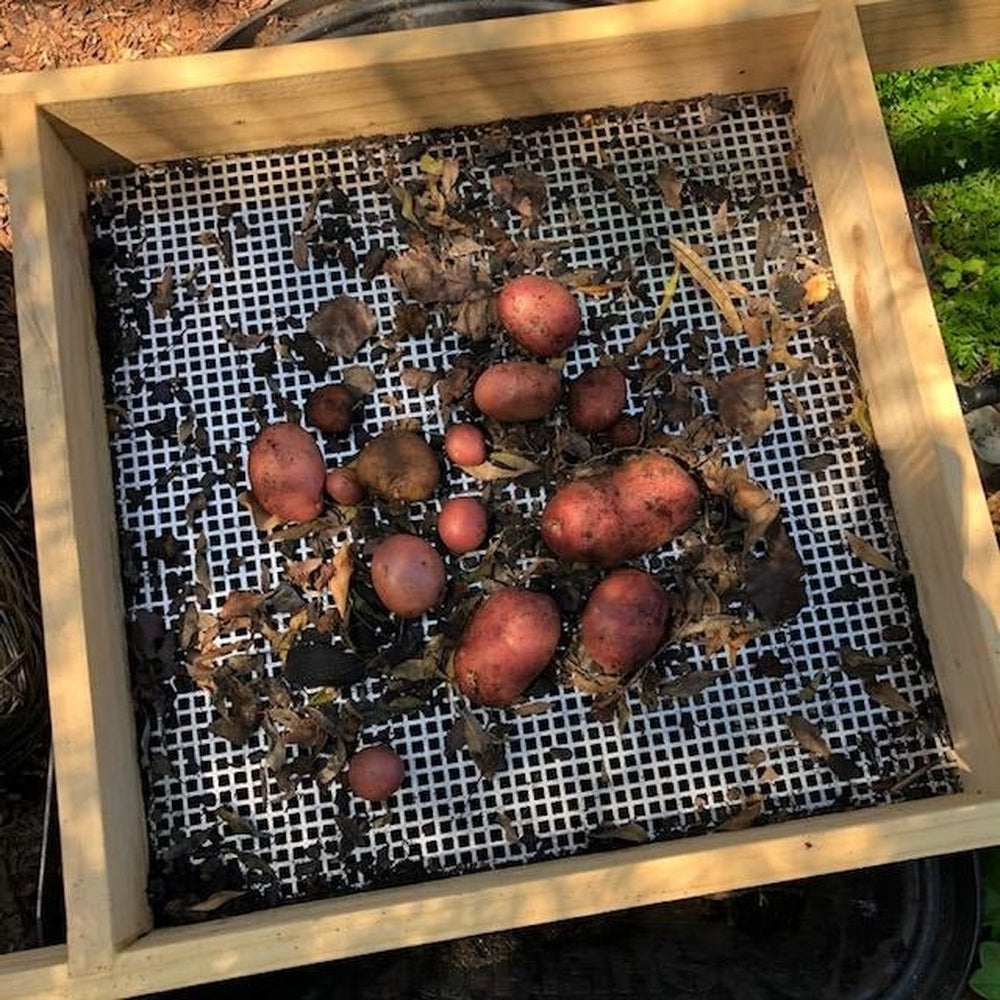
x: 606, y: 520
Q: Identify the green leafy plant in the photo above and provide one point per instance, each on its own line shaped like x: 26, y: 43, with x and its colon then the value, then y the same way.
x: 985, y: 980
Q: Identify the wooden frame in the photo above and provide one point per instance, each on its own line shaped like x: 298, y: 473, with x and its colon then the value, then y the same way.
x: 55, y: 127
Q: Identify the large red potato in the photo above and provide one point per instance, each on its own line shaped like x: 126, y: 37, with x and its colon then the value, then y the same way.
x: 509, y: 640
x: 515, y: 391
x: 624, y: 621
x: 633, y: 509
x: 287, y: 472
x: 540, y: 314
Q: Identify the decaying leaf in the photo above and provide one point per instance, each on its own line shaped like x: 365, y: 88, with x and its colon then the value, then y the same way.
x: 419, y: 275
x: 742, y: 820
x: 741, y: 397
x: 241, y: 604
x: 723, y: 220
x: 749, y: 501
x: 162, y: 296
x: 509, y: 830
x: 609, y: 179
x: 300, y: 252
x: 861, y: 666
x: 418, y: 379
x: 487, y: 747
x: 216, y: 900
x: 524, y: 191
x: 807, y: 735
x: 670, y: 185
x: 499, y: 466
x: 885, y: 694
x: 339, y: 583
x: 774, y: 582
x: 769, y: 664
x: 241, y: 341
x: 475, y: 316
x: 342, y: 325
x: 843, y: 767
x: 688, y: 685
x: 630, y: 833
x: 867, y: 553
x: 699, y: 270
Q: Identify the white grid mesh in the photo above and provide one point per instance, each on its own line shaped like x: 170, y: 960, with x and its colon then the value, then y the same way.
x: 673, y: 769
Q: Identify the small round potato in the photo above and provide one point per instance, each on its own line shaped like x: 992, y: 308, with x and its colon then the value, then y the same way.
x: 540, y: 314
x: 343, y: 487
x: 515, y: 391
x: 465, y: 444
x: 287, y: 472
x: 328, y: 409
x: 508, y: 641
x: 375, y: 773
x: 462, y: 524
x: 596, y: 399
x: 624, y: 620
x: 398, y: 466
x: 408, y: 575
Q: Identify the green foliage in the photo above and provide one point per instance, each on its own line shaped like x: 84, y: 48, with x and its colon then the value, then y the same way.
x: 986, y: 979
x: 943, y: 121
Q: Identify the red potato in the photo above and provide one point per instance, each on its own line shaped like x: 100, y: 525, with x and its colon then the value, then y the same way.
x: 375, y: 773
x: 633, y: 509
x: 328, y: 409
x: 462, y: 524
x: 287, y: 472
x: 515, y: 391
x: 625, y: 433
x: 540, y: 314
x: 408, y: 575
x: 624, y: 621
x: 596, y: 399
x: 398, y: 466
x: 343, y: 487
x: 509, y: 640
x: 465, y: 444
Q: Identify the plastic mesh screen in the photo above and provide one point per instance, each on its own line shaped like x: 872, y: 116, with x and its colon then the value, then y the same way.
x: 677, y: 768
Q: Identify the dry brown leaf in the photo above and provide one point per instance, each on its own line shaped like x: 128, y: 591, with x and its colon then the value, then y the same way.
x: 807, y: 735
x: 342, y: 325
x: 419, y: 275
x: 501, y: 465
x: 241, y: 604
x: 524, y: 191
x: 867, y: 553
x: 743, y: 404
x: 630, y: 833
x: 723, y: 221
x: 359, y: 378
x: 670, y: 185
x: 216, y: 900
x: 742, y: 820
x: 300, y: 252
x: 162, y: 297
x: 885, y: 694
x: 339, y: 584
x: 418, y: 379
x: 774, y: 583
x: 699, y: 270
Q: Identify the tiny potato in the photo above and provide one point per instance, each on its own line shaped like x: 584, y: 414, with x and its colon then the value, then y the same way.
x: 408, y: 575
x: 508, y: 641
x: 596, y: 399
x: 515, y: 391
x: 343, y: 487
x: 375, y: 773
x: 624, y: 621
x: 540, y: 314
x: 328, y: 409
x: 625, y: 433
x: 465, y: 444
x: 398, y: 466
x: 287, y: 472
x: 462, y: 524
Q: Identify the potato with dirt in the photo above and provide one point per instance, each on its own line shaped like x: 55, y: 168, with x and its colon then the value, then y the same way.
x: 517, y: 391
x: 508, y: 641
x: 287, y: 472
x: 596, y: 399
x: 540, y: 314
x: 629, y: 510
x: 399, y: 466
x: 329, y: 407
x: 375, y: 773
x: 624, y: 621
x: 408, y: 575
